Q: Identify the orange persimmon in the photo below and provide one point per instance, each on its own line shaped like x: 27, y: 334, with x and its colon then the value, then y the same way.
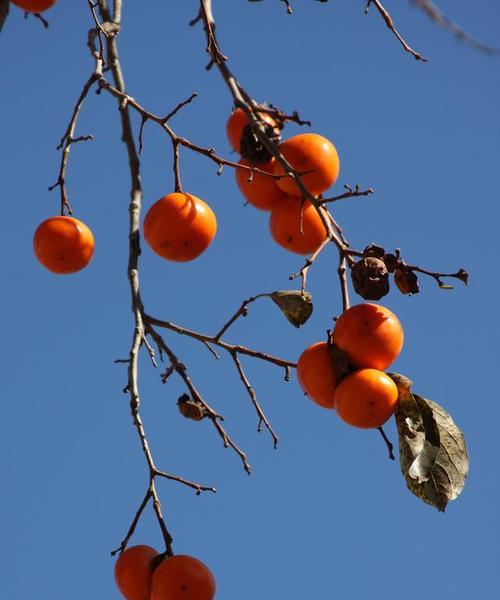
x: 237, y: 122
x: 182, y: 577
x: 63, y: 244
x: 313, y: 155
x: 34, y: 6
x: 302, y: 235
x: 134, y: 571
x: 316, y: 374
x: 366, y: 398
x: 260, y: 190
x: 370, y: 335
x: 179, y: 227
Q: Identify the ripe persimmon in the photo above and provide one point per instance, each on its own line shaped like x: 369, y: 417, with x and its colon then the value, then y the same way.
x: 134, y: 571
x: 182, y: 577
x: 317, y: 375
x: 370, y: 335
x: 302, y: 235
x: 260, y: 191
x: 309, y: 152
x: 366, y: 398
x: 179, y: 227
x: 63, y: 244
x: 34, y: 6
x: 237, y: 122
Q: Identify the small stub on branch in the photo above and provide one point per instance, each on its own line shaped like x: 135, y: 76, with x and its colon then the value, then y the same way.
x: 297, y: 306
x: 432, y: 449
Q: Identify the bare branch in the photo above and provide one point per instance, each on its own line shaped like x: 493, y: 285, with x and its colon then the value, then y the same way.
x: 390, y: 24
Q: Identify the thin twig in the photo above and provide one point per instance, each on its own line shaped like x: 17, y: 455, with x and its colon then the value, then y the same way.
x: 388, y: 443
x: 351, y: 193
x: 433, y: 12
x: 68, y: 139
x: 390, y: 24
x: 253, y: 397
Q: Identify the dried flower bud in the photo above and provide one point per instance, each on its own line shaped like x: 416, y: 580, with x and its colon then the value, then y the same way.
x: 406, y: 280
x: 252, y: 149
x: 391, y: 262
x: 370, y: 278
x: 191, y: 409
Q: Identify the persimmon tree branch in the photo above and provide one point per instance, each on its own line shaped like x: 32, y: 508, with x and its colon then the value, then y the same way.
x: 437, y: 17
x: 384, y: 13
x: 136, y: 301
x: 68, y: 139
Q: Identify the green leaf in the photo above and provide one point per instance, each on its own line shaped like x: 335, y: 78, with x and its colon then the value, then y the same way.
x: 295, y: 305
x: 432, y: 449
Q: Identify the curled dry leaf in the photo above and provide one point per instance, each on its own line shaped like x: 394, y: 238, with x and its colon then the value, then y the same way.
x: 406, y: 280
x: 297, y: 306
x: 4, y: 11
x: 191, y: 409
x: 432, y: 449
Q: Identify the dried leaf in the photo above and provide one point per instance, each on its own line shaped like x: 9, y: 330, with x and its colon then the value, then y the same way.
x: 406, y: 280
x: 191, y: 409
x: 4, y: 11
x: 432, y: 449
x: 463, y: 276
x: 295, y: 305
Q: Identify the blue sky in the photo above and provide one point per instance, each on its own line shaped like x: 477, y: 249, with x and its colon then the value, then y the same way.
x: 326, y: 514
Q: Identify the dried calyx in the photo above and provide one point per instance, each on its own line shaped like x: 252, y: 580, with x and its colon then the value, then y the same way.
x: 370, y: 276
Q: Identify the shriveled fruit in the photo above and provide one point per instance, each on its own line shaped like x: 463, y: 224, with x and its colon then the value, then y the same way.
x: 260, y: 191
x: 63, y: 244
x: 370, y: 335
x: 313, y: 155
x: 34, y: 6
x: 302, y: 235
x: 317, y: 375
x: 182, y: 577
x: 237, y: 122
x: 366, y: 398
x: 134, y: 571
x: 179, y: 227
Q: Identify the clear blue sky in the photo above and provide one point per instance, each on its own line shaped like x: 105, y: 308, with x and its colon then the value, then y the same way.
x: 326, y: 515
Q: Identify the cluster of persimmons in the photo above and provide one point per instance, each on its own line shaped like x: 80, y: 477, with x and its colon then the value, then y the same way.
x: 295, y: 224
x: 179, y: 227
x: 141, y: 573
x: 370, y: 337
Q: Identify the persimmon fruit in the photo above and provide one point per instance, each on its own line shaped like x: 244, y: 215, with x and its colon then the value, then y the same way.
x: 313, y: 155
x: 179, y: 227
x: 300, y: 235
x: 182, y: 577
x: 134, y: 571
x: 260, y: 190
x: 366, y: 398
x: 370, y: 335
x: 34, y: 6
x: 63, y: 244
x: 237, y: 122
x: 317, y: 375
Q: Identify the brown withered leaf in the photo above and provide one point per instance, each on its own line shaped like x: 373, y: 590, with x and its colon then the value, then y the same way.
x: 297, y: 306
x: 406, y: 280
x: 4, y: 11
x: 432, y: 449
x: 191, y: 409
